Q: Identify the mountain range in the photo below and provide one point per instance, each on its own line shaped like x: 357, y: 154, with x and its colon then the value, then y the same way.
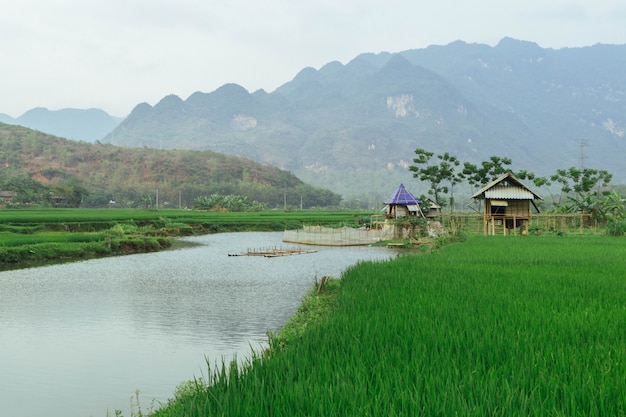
x: 354, y: 128
x: 87, y: 125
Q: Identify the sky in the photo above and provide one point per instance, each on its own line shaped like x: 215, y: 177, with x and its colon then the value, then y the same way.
x: 115, y: 54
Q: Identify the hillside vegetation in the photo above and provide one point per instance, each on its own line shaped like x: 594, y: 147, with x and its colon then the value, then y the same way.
x: 48, y: 170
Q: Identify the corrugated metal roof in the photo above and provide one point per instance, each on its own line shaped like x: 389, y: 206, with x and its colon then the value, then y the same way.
x: 513, y: 187
x: 509, y: 192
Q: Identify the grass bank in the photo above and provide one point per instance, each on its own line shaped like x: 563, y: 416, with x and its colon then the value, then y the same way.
x: 510, y: 326
x: 18, y: 250
x: 33, y: 237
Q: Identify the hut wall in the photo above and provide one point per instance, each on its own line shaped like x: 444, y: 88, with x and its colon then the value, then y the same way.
x: 506, y: 216
x: 513, y: 208
x: 398, y: 211
x: 518, y: 208
x: 402, y: 211
x: 433, y: 213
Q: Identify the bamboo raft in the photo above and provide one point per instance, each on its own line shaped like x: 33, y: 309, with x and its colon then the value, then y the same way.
x: 272, y: 252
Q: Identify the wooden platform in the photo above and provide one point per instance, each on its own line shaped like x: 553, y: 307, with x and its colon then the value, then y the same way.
x: 272, y: 252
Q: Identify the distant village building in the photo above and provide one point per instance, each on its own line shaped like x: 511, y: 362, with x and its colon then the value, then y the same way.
x: 402, y: 204
x: 507, y: 205
x: 7, y: 196
x: 431, y: 209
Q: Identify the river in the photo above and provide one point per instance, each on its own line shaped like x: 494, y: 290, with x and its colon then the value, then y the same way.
x: 79, y: 339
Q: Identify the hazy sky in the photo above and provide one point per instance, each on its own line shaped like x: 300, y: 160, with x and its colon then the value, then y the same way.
x: 115, y: 54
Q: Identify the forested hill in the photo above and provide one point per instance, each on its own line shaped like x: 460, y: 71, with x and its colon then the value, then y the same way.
x: 37, y: 166
x: 354, y: 127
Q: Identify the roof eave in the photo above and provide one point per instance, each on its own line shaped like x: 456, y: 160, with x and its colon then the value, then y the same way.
x: 480, y: 194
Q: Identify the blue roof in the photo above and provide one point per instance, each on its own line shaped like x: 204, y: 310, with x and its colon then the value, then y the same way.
x: 402, y: 197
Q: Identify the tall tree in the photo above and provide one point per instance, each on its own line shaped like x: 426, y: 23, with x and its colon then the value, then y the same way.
x: 527, y: 175
x: 581, y: 187
x: 488, y: 170
x: 537, y: 181
x: 441, y: 177
x: 68, y: 195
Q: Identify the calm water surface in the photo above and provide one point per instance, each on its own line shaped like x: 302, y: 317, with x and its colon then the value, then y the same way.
x: 78, y: 340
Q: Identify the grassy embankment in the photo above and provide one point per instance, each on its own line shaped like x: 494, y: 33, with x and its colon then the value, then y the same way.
x: 29, y: 237
x: 511, y: 326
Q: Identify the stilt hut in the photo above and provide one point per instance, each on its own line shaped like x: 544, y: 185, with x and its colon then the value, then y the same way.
x: 507, y: 205
x: 433, y: 210
x: 402, y: 204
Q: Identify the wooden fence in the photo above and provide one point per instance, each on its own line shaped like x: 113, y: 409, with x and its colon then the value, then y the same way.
x: 539, y: 223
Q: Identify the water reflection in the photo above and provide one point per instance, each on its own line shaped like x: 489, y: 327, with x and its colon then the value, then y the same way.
x: 78, y: 339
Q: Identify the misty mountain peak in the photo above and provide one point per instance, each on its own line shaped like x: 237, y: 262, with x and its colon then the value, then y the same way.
x: 473, y: 100
x: 169, y: 101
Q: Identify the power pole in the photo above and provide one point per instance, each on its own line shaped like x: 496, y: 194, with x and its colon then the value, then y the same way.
x: 582, y: 156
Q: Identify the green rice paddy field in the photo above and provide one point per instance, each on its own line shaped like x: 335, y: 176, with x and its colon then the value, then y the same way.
x: 103, y: 218
x: 32, y: 237
x: 493, y: 326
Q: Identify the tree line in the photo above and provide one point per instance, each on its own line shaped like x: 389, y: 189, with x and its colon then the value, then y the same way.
x: 581, y: 190
x: 236, y: 196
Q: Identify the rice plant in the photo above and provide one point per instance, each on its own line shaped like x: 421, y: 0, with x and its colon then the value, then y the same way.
x: 493, y: 326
